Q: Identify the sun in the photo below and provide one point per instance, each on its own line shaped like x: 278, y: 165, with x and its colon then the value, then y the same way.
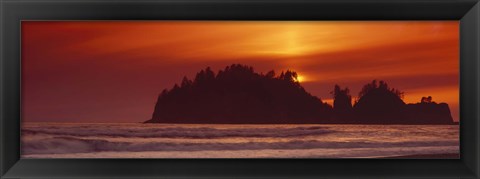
x: 300, y: 78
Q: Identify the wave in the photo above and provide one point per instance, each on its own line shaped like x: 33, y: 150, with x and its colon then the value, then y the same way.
x: 176, y: 132
x: 61, y: 145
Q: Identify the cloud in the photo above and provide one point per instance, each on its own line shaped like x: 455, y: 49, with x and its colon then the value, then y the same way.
x: 71, y: 69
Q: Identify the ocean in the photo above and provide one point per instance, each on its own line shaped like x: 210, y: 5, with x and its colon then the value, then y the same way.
x: 136, y: 140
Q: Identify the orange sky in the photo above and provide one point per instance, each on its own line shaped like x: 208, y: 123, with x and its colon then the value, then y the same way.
x: 112, y: 71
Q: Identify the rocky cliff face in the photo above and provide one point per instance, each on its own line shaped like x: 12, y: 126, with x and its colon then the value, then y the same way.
x: 429, y: 113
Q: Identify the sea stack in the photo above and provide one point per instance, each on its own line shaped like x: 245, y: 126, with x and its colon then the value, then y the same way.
x: 239, y: 95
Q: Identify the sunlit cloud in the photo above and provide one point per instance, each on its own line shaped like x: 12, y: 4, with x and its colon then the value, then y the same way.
x: 133, y: 61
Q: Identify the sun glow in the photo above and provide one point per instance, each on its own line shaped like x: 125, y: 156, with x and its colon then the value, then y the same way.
x: 301, y: 78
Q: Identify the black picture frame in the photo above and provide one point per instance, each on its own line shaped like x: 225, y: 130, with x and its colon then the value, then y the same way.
x: 12, y: 12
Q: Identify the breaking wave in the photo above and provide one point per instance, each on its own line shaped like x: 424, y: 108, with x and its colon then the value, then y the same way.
x: 59, y: 145
x: 176, y: 132
x: 40, y: 140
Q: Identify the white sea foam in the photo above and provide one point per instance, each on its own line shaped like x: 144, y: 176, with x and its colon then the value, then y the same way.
x: 231, y: 141
x: 173, y: 132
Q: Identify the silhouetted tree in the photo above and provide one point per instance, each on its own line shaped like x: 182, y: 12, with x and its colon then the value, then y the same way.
x: 270, y: 74
x: 175, y: 87
x: 341, y: 98
x: 342, y: 103
x: 367, y: 88
x: 289, y: 76
x: 382, y: 85
x: 186, y: 82
x: 209, y: 74
x: 426, y: 99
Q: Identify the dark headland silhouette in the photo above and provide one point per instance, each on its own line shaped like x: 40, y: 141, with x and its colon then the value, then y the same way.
x: 239, y: 95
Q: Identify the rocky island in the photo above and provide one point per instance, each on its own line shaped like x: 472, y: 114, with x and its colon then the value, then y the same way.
x: 239, y: 95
